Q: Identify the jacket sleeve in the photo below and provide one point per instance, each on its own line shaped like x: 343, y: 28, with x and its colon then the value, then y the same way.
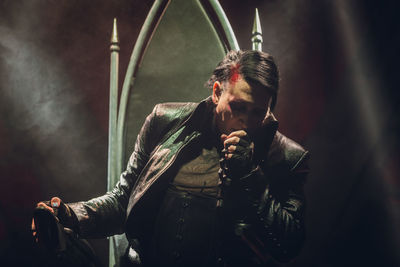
x: 105, y: 215
x: 275, y: 225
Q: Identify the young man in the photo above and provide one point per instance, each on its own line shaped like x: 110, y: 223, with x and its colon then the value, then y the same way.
x: 210, y: 183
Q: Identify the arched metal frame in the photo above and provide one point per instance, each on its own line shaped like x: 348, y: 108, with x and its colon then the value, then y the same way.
x: 221, y: 24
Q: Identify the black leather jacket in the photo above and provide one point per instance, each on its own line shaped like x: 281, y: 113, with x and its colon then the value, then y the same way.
x: 270, y: 200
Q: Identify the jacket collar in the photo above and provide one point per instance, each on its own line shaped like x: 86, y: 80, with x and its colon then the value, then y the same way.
x: 264, y: 137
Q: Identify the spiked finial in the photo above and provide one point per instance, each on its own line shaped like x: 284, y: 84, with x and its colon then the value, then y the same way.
x: 256, y: 37
x: 114, y: 37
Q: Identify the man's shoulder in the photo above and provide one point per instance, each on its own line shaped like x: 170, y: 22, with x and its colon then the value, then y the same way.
x: 286, y: 152
x: 172, y: 113
x: 174, y: 109
x: 167, y: 116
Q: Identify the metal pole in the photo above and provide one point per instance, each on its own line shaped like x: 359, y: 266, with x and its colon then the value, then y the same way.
x: 112, y: 123
x: 112, y: 130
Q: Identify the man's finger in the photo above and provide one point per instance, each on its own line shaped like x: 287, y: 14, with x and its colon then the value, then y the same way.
x: 231, y: 149
x: 33, y: 226
x: 239, y: 133
x: 34, y: 233
x: 55, y: 202
x: 43, y: 205
x: 223, y: 137
x: 231, y: 141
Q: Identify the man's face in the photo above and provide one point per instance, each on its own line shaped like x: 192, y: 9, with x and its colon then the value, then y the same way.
x: 239, y: 106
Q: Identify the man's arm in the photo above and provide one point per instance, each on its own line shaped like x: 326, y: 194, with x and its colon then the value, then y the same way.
x: 106, y: 215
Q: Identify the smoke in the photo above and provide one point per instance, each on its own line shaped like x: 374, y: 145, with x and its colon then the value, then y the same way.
x: 44, y: 109
x: 36, y: 87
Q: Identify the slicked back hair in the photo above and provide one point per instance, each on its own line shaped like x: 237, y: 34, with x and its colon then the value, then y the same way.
x: 257, y: 68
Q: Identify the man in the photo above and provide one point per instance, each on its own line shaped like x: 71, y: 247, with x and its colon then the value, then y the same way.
x: 210, y: 183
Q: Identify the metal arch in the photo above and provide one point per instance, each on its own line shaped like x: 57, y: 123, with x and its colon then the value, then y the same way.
x: 216, y: 16
x: 228, y: 39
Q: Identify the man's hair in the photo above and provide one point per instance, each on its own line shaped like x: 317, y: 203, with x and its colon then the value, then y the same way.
x: 257, y: 68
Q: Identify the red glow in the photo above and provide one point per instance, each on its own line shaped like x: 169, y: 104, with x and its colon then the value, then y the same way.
x: 235, y: 73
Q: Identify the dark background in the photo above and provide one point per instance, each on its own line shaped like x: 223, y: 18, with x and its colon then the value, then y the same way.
x: 339, y: 81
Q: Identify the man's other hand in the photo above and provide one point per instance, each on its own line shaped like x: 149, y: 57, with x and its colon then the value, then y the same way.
x: 61, y: 211
x: 238, y: 150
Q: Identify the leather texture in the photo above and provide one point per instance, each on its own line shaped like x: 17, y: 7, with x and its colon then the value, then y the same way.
x: 267, y: 204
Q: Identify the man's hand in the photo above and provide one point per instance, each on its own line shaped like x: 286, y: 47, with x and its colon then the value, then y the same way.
x: 239, y: 150
x: 61, y: 211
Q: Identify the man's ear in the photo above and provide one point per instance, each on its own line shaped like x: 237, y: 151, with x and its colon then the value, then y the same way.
x: 269, y: 107
x: 217, y: 91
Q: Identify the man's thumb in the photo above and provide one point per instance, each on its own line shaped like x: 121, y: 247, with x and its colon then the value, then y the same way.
x: 55, y: 202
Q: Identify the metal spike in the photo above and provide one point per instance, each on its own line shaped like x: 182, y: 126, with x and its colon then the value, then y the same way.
x: 114, y: 35
x: 256, y: 37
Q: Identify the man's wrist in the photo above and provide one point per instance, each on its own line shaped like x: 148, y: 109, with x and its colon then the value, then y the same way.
x: 71, y: 221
